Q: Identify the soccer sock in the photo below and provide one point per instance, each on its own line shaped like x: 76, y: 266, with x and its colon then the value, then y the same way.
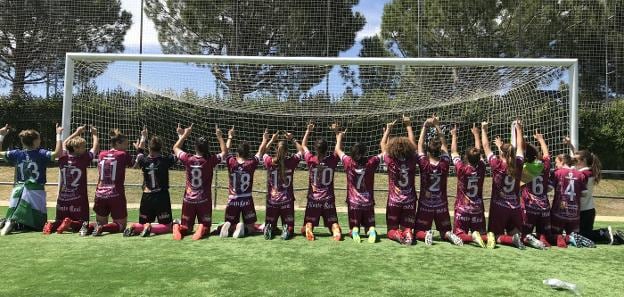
x: 183, y: 229
x: 160, y: 228
x: 505, y: 239
x: 136, y: 227
x: 484, y: 237
x: 543, y: 239
x: 395, y: 234
x: 111, y: 228
x: 91, y: 227
x: 561, y: 241
x: 76, y: 225
x: 465, y: 237
x: 420, y: 235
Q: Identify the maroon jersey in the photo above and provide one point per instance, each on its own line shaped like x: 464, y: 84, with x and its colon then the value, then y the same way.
x: 506, y: 188
x: 241, y: 176
x: 535, y: 192
x: 433, y: 178
x: 280, y: 190
x: 401, y: 174
x: 199, y: 172
x: 469, y: 186
x: 112, y: 173
x: 73, y: 184
x: 360, y: 181
x: 321, y: 176
x: 569, y: 185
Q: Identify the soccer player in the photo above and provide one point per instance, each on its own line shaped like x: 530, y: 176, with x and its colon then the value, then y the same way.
x: 400, y: 159
x: 321, y: 198
x: 72, y: 205
x: 110, y: 194
x: 535, y: 197
x: 241, y: 169
x: 360, y: 171
x: 570, y: 185
x: 590, y: 165
x: 199, y: 167
x: 505, y: 210
x: 469, y: 210
x: 155, y: 200
x: 434, y: 169
x: 27, y: 205
x: 280, y: 201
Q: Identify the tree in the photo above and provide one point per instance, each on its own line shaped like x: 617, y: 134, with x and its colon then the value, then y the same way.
x: 258, y: 28
x: 376, y: 77
x: 35, y: 35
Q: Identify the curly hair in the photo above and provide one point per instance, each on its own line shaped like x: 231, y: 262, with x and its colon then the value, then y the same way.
x: 400, y: 148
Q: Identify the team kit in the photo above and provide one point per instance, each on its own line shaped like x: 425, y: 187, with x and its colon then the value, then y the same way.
x: 520, y: 212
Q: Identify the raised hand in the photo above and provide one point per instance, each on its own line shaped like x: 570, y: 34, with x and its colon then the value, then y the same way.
x: 391, y: 124
x: 566, y: 140
x: 454, y: 130
x: 218, y: 131
x: 484, y: 125
x: 188, y: 130
x: 289, y: 136
x: 274, y: 137
x: 265, y: 135
x: 407, y: 121
x: 93, y: 130
x: 310, y: 126
x: 538, y: 136
x: 179, y: 130
x: 474, y: 130
x: 81, y: 129
x: 498, y: 141
x: 435, y: 120
x: 231, y: 132
x: 144, y: 132
x: 59, y: 129
x: 4, y: 130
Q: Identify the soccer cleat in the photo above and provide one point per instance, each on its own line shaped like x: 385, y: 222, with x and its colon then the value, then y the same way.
x: 619, y: 237
x: 177, y: 234
x: 268, y: 231
x: 308, y: 232
x: 580, y: 241
x: 450, y: 236
x: 129, y: 232
x: 8, y: 227
x: 476, y: 238
x: 429, y: 237
x: 355, y: 234
x: 2, y: 221
x: 47, y: 228
x: 199, y: 233
x: 609, y: 235
x: 239, y: 231
x: 336, y: 232
x: 517, y: 241
x: 534, y: 242
x: 84, y: 230
x: 561, y: 243
x: 544, y: 241
x: 147, y: 230
x: 372, y: 235
x: 97, y: 230
x: 225, y: 230
x: 408, y: 237
x: 491, y: 240
x: 285, y: 233
x: 64, y: 226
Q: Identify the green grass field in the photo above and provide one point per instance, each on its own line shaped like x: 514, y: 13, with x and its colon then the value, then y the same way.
x: 68, y: 265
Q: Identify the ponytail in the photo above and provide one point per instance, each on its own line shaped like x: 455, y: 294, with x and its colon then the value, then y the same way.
x: 116, y: 137
x: 591, y: 161
x: 279, y: 159
x: 508, y: 155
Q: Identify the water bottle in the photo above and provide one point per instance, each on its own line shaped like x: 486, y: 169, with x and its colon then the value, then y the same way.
x: 558, y: 284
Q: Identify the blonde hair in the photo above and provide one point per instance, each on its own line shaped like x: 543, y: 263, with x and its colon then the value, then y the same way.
x: 28, y: 137
x: 74, y: 143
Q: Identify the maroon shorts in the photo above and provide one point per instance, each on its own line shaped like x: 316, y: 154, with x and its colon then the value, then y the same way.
x: 466, y: 223
x: 77, y: 209
x: 361, y: 216
x: 538, y: 219
x: 502, y: 218
x: 285, y: 211
x: 317, y: 209
x: 202, y: 210
x: 398, y: 214
x: 114, y: 206
x: 236, y: 207
x: 558, y: 225
x: 425, y: 216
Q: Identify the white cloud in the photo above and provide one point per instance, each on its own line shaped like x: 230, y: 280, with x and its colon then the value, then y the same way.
x: 150, y: 35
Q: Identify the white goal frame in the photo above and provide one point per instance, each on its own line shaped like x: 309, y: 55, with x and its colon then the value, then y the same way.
x: 570, y: 64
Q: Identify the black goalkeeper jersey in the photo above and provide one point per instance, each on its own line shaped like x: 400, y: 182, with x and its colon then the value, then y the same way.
x: 155, y: 171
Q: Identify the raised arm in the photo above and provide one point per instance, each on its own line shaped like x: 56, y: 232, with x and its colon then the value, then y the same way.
x: 421, y: 138
x: 59, y: 142
x: 407, y: 122
x: 454, y: 150
x: 436, y: 123
x: 76, y: 133
x: 384, y: 139
x: 265, y: 141
x: 290, y: 137
x: 306, y: 136
x: 338, y: 149
x: 540, y: 138
x: 231, y: 133
x: 222, y: 145
x: 484, y: 139
x: 3, y: 132
x: 95, y: 148
x: 476, y: 136
x: 519, y: 139
x: 183, y: 134
x: 570, y: 145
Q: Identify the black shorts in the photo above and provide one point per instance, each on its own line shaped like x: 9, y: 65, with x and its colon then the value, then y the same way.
x: 155, y: 206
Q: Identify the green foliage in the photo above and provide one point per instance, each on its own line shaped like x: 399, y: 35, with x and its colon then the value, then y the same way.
x: 35, y: 35
x: 30, y: 113
x: 601, y: 132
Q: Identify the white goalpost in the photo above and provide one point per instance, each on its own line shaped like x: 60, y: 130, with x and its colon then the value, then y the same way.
x: 282, y: 93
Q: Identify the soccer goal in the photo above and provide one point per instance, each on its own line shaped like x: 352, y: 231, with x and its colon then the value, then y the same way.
x: 283, y: 93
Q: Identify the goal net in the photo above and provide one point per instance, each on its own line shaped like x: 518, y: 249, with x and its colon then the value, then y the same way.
x: 283, y: 94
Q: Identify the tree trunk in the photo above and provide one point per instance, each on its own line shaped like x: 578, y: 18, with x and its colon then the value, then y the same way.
x: 19, y: 80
